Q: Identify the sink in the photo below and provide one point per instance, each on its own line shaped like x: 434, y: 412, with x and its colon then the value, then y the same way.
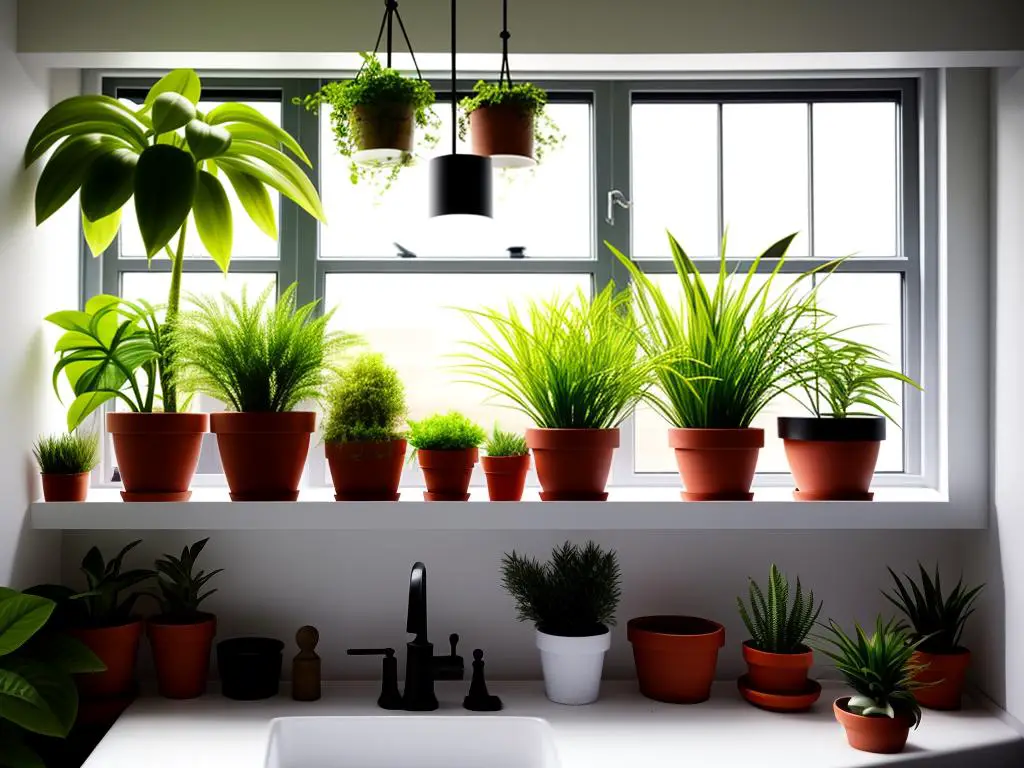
x: 411, y: 741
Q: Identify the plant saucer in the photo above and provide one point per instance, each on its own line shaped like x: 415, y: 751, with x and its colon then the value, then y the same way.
x: 548, y: 496
x: 775, y: 702
x: 429, y: 496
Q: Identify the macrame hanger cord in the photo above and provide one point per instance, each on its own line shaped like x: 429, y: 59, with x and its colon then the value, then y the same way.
x: 506, y: 71
x: 387, y: 23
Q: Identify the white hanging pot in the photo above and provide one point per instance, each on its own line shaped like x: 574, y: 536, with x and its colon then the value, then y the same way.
x: 572, y: 666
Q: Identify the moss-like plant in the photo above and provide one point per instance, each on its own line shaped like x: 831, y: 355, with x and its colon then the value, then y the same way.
x: 502, y: 443
x: 774, y: 626
x: 66, y: 454
x: 938, y: 619
x: 527, y: 97
x: 366, y: 403
x: 450, y: 431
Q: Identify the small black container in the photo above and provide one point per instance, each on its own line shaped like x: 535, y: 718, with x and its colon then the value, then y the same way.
x: 250, y: 667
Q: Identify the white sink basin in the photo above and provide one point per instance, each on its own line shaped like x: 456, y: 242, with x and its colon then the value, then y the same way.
x: 411, y: 741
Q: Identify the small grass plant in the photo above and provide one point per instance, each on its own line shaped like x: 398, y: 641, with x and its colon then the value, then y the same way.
x: 502, y: 443
x: 66, y: 453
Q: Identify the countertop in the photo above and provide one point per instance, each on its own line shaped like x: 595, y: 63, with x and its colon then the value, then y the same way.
x: 622, y: 729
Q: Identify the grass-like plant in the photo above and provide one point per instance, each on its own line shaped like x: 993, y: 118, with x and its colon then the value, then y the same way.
x: 181, y: 590
x: 66, y: 454
x: 774, y: 626
x: 878, y: 667
x: 569, y: 363
x: 254, y: 357
x: 730, y: 351
x: 502, y: 443
x: 525, y: 96
x: 938, y: 619
x: 575, y: 594
x: 366, y: 404
x: 450, y: 431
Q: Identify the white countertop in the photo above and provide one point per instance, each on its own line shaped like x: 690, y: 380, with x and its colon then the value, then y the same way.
x: 623, y: 730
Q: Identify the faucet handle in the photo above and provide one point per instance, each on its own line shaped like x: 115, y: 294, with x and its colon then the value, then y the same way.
x: 450, y: 667
x: 390, y: 696
x: 453, y: 641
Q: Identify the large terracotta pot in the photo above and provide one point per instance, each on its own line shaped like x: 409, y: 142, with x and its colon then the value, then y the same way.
x: 506, y: 476
x: 504, y: 133
x: 66, y: 487
x: 384, y: 133
x: 717, y: 464
x: 447, y: 473
x: 832, y: 459
x: 263, y: 453
x: 118, y: 648
x: 675, y: 656
x: 157, y: 453
x: 943, y: 678
x: 366, y: 471
x: 181, y: 654
x: 883, y: 735
x: 778, y: 673
x: 573, y: 464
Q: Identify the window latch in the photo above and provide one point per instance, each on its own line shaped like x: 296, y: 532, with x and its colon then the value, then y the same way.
x: 616, y: 198
x: 404, y: 252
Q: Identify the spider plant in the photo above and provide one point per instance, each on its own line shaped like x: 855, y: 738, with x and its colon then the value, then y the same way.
x: 774, y: 626
x: 938, y: 619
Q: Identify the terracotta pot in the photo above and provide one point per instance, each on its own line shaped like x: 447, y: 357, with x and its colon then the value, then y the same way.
x: 944, y: 678
x: 573, y: 464
x: 117, y: 647
x: 717, y: 464
x: 383, y: 126
x: 832, y: 459
x: 504, y: 133
x: 157, y: 453
x: 447, y: 473
x: 65, y: 487
x: 778, y: 673
x: 263, y: 453
x: 675, y: 656
x: 883, y: 735
x: 366, y: 471
x: 506, y: 476
x: 181, y: 653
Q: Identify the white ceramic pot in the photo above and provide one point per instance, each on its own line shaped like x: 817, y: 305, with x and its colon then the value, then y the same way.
x: 572, y: 666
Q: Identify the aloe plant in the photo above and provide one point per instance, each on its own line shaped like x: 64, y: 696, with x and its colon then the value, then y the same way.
x: 938, y: 619
x: 774, y: 626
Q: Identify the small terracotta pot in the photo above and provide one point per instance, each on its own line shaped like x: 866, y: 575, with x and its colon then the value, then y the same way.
x: 366, y: 471
x: 879, y: 734
x: 717, y: 464
x: 778, y: 673
x: 263, y: 453
x: 506, y: 476
x: 832, y: 459
x: 944, y: 677
x: 447, y: 473
x: 573, y: 464
x: 383, y: 126
x: 65, y: 487
x: 181, y: 654
x: 118, y: 648
x: 504, y: 133
x: 675, y: 656
x: 157, y: 453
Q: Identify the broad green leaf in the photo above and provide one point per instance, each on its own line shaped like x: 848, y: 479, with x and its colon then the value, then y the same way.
x: 65, y: 653
x: 21, y: 616
x: 205, y: 140
x: 101, y: 302
x: 234, y: 112
x: 171, y: 111
x: 212, y: 213
x: 100, y: 234
x: 91, y: 113
x: 70, y: 320
x: 165, y: 182
x: 287, y: 178
x: 109, y: 184
x: 85, y: 404
x: 37, y: 697
x: 255, y: 199
x: 66, y: 170
x: 182, y: 81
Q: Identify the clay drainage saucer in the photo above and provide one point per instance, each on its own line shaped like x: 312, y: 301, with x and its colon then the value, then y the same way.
x: 846, y: 496
x: 367, y: 497
x: 687, y: 496
x: 775, y: 702
x: 157, y: 496
x: 430, y: 496
x: 548, y: 496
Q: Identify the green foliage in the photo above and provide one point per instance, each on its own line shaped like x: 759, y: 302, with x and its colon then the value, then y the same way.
x: 255, y: 357
x: 66, y: 454
x: 878, y: 668
x: 938, y: 619
x: 375, y: 85
x: 731, y: 350
x: 502, y: 443
x: 570, y: 363
x: 366, y: 404
x: 774, y: 626
x: 575, y: 594
x: 525, y: 96
x: 180, y: 589
x: 445, y: 432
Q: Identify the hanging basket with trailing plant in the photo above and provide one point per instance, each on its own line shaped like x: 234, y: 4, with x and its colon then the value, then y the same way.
x: 509, y: 123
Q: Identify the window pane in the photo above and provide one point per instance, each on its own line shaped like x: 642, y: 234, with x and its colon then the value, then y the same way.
x: 855, y: 179
x: 675, y: 178
x: 547, y: 210
x: 765, y: 176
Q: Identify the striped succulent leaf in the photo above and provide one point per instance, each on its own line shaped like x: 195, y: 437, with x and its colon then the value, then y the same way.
x: 776, y: 624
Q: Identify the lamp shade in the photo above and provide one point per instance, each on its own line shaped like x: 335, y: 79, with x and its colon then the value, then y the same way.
x: 461, y: 184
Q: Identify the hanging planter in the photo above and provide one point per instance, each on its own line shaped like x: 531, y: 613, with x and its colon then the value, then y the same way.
x: 509, y: 124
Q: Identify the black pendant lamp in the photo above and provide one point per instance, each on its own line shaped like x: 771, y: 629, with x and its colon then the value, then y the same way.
x: 460, y: 184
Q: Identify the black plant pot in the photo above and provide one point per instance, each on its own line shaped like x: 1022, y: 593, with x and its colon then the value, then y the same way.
x: 250, y: 667
x: 829, y: 429
x: 832, y: 459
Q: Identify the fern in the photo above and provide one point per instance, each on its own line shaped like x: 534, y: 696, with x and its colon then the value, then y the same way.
x: 774, y: 626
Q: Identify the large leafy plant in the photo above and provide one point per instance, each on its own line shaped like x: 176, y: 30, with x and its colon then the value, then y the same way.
x: 173, y: 161
x: 775, y: 626
x: 528, y: 98
x: 938, y: 619
x: 366, y: 404
x: 66, y: 454
x: 37, y: 691
x: 180, y: 588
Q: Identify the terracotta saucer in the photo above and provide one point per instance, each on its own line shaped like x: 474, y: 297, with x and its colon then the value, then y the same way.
x: 775, y: 702
x: 811, y: 496
x: 158, y: 496
x: 548, y: 496
x: 428, y: 496
x: 371, y: 497
x: 687, y: 496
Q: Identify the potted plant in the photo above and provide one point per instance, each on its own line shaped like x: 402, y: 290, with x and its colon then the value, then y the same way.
x: 938, y: 622
x: 777, y: 658
x: 182, y: 635
x: 170, y: 161
x: 446, y: 447
x: 65, y: 462
x: 571, y: 365
x: 365, y: 447
x: 260, y: 361
x: 675, y: 656
x: 374, y: 117
x: 509, y: 123
x: 505, y: 465
x: 571, y: 600
x: 833, y: 453
x: 880, y: 669
x: 731, y: 351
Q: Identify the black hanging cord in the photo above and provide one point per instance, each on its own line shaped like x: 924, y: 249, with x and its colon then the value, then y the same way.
x: 455, y: 100
x: 506, y: 71
x: 386, y: 23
